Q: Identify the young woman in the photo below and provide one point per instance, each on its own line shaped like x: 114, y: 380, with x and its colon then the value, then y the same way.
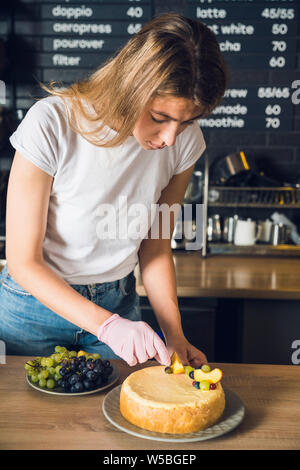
x: 126, y: 136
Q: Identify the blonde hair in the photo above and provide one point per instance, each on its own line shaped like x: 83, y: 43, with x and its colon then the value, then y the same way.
x: 171, y: 55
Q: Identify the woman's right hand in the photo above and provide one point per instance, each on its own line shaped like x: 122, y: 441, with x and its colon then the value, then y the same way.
x: 133, y: 341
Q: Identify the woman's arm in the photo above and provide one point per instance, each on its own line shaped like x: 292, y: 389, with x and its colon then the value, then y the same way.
x: 27, y: 208
x: 159, y: 276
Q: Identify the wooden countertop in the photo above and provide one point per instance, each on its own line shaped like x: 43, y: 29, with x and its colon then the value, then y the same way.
x: 32, y: 420
x: 234, y: 276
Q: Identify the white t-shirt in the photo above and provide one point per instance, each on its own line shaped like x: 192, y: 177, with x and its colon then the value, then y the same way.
x: 79, y: 245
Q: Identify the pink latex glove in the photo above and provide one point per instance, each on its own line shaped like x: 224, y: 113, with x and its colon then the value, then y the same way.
x: 133, y: 341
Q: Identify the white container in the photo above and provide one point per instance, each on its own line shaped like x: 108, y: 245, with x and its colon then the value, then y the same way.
x: 246, y: 232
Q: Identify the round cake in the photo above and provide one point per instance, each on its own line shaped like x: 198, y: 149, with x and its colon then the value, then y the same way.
x: 168, y: 403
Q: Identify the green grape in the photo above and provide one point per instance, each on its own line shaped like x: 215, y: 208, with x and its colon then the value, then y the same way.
x: 72, y: 354
x: 188, y: 370
x: 204, y: 385
x: 43, y: 362
x: 31, y: 363
x: 30, y: 371
x: 64, y: 356
x: 205, y: 368
x: 44, y: 374
x: 96, y: 356
x: 50, y: 383
x: 34, y: 378
x: 57, y: 369
x: 49, y: 362
x: 57, y: 377
x: 53, y: 359
x: 52, y: 370
x: 42, y: 382
x: 60, y: 349
x: 56, y: 358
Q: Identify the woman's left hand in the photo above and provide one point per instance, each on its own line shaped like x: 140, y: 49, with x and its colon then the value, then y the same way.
x: 188, y: 354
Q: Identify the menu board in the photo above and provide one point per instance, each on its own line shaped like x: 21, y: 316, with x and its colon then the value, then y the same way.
x: 66, y: 40
x: 257, y: 35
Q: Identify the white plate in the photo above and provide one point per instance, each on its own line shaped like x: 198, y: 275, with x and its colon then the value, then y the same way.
x: 233, y: 415
x: 58, y: 391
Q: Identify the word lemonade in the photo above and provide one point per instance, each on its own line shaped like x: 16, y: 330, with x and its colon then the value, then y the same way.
x: 175, y: 400
x: 69, y: 371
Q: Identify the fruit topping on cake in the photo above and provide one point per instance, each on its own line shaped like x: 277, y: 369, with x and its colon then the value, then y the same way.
x: 212, y: 376
x: 203, y: 378
x: 176, y: 365
x: 188, y: 370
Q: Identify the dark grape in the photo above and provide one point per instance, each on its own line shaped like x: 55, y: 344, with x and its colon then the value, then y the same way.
x: 104, y: 380
x: 78, y: 387
x: 98, y: 369
x: 106, y: 363
x: 63, y: 371
x: 99, y: 381
x: 64, y: 385
x: 88, y: 384
x: 81, y: 366
x: 90, y: 375
x: 73, y: 379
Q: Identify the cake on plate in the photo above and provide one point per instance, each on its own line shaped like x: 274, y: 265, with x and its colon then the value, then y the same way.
x: 157, y: 399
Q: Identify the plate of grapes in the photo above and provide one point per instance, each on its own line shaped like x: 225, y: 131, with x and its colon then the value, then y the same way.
x: 70, y: 373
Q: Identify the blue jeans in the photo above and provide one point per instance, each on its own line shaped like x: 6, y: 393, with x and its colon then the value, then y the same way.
x: 29, y: 328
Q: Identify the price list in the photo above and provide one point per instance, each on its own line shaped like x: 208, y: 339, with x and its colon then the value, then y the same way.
x: 253, y: 34
x: 68, y: 40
